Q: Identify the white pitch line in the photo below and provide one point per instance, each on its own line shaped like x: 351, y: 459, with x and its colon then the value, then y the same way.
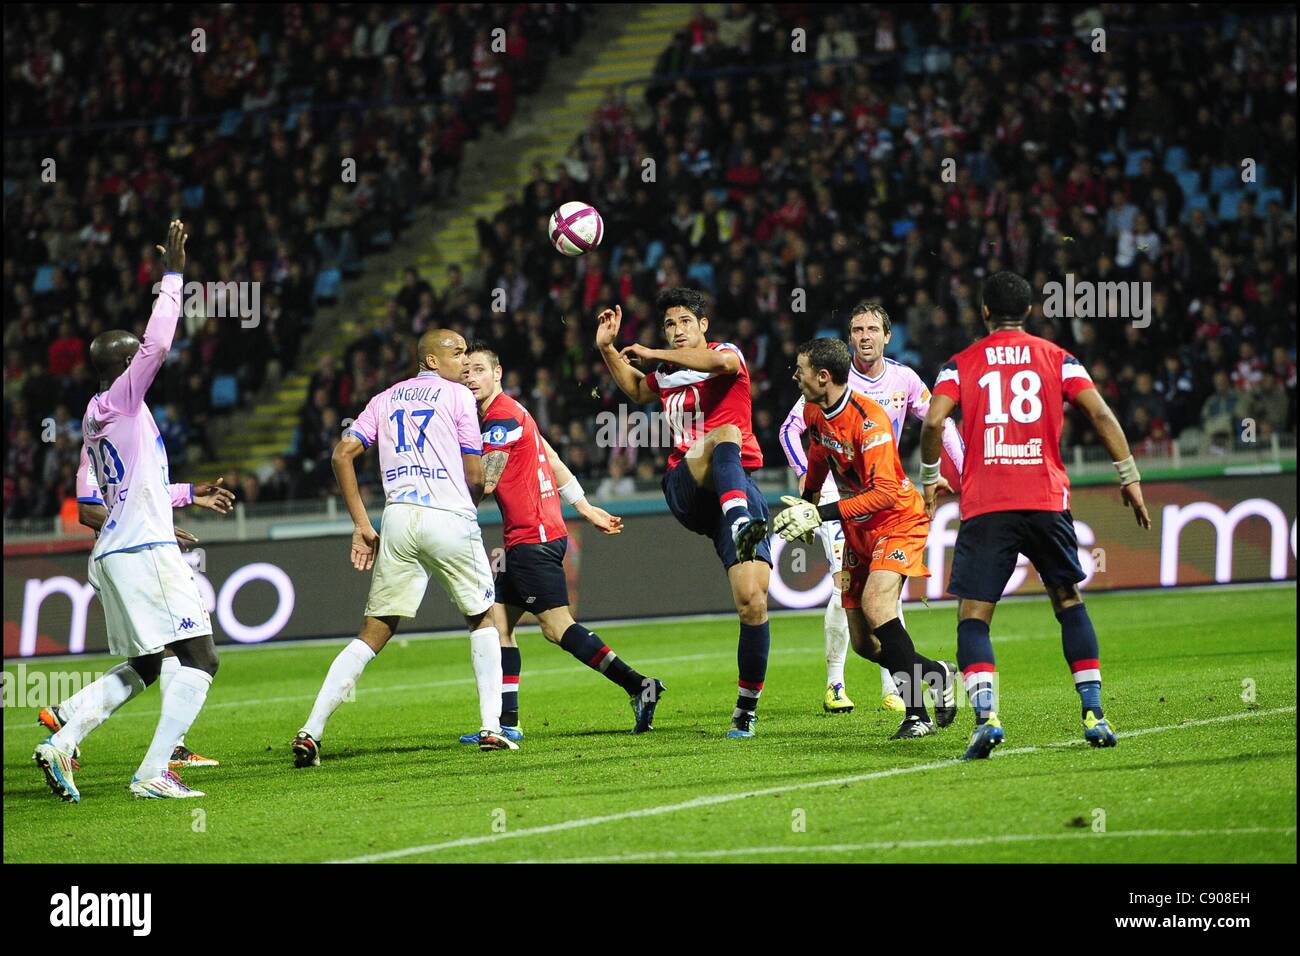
x: 911, y: 844
x: 713, y: 800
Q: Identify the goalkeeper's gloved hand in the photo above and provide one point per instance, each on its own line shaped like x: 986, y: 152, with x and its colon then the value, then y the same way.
x: 800, y: 520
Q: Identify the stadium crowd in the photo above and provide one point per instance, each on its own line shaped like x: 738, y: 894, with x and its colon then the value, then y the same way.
x: 790, y: 183
x: 236, y: 118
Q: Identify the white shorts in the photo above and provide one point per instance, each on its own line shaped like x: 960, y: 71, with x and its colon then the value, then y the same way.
x: 150, y: 599
x: 831, y: 534
x: 415, y: 543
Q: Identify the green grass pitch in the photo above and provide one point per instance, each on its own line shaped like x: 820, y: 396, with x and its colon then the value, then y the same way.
x: 1200, y: 773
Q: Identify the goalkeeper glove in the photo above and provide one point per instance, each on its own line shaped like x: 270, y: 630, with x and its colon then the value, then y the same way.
x: 799, y: 520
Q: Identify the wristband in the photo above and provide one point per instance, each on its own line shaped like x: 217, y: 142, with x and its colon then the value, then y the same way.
x: 1128, y: 471
x: 829, y: 511
x: 572, y: 492
x: 930, y: 473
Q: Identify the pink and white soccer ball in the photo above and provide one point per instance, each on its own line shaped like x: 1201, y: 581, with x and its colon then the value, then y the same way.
x: 576, y: 228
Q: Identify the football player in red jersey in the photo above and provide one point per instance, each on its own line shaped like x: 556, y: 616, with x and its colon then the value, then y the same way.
x: 529, y: 480
x: 704, y: 387
x: 1015, y: 494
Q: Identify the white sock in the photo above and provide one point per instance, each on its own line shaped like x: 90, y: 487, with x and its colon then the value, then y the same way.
x: 339, y: 682
x: 95, y: 703
x: 170, y: 666
x: 837, y: 639
x: 485, y: 651
x: 887, y: 685
x: 185, y: 695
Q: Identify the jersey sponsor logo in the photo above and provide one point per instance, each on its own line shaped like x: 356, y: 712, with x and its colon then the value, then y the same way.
x: 875, y: 440
x: 421, y: 471
x: 998, y: 452
x: 826, y: 441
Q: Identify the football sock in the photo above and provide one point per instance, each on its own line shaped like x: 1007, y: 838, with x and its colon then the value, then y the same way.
x: 837, y: 639
x: 170, y: 665
x: 185, y: 695
x: 887, y: 685
x: 898, y: 655
x: 510, y: 666
x: 485, y: 652
x: 729, y: 480
x: 95, y: 703
x: 975, y: 658
x: 588, y: 648
x: 1079, y: 641
x: 751, y: 658
x: 339, y: 683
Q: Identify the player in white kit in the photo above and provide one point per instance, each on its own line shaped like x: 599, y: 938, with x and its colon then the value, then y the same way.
x: 150, y: 597
x: 430, y: 458
x: 901, y: 392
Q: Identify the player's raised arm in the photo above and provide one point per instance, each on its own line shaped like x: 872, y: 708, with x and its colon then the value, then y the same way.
x: 721, y: 361
x: 571, y: 491
x: 630, y: 380
x: 128, y: 390
x: 791, y: 441
x: 1112, y: 437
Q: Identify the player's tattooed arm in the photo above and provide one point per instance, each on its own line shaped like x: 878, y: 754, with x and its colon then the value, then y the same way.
x: 494, y: 464
x: 630, y: 380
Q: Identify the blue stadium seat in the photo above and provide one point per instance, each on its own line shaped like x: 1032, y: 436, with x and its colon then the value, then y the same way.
x: 161, y: 130
x: 897, y: 115
x: 1267, y: 196
x: 1132, y: 160
x: 1106, y: 158
x: 1228, y: 203
x: 653, y: 253
x: 328, y: 284
x: 1199, y: 201
x: 897, y: 340
x: 1261, y: 176
x: 230, y: 122
x: 44, y: 280
x: 192, y: 198
x: 291, y: 121
x: 702, y: 272
x: 225, y: 392
x: 1224, y: 177
x: 1190, y: 182
x: 1175, y: 159
x: 902, y: 227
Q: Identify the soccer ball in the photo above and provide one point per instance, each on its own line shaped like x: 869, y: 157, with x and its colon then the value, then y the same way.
x: 576, y: 228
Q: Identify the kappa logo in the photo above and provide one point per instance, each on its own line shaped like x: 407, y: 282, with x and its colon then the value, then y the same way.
x: 186, y: 624
x: 897, y: 555
x: 487, y: 595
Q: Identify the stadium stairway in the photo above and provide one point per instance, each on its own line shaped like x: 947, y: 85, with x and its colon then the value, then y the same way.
x: 620, y: 48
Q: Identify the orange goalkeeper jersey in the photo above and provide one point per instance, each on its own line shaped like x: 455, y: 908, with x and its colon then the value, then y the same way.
x: 855, y: 439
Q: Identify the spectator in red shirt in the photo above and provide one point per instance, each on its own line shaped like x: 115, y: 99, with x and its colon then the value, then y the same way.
x: 67, y: 352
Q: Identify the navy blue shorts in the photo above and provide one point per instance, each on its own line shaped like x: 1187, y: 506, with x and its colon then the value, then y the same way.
x: 697, y: 509
x: 533, y: 576
x: 989, y: 544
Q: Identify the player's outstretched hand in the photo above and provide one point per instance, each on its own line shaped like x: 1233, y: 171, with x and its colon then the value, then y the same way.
x: 636, y: 353
x: 800, y: 520
x: 608, y: 323
x: 1132, y: 495
x: 210, y: 495
x: 365, y: 544
x: 185, y: 539
x: 602, y: 519
x: 174, y: 252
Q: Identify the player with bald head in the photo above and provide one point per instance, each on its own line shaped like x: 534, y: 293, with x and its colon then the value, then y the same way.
x: 430, y: 460
x: 151, y: 600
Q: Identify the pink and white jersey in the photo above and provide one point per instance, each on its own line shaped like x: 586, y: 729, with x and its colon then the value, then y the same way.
x: 423, y: 425
x: 182, y: 494
x: 121, y: 441
x: 898, y: 390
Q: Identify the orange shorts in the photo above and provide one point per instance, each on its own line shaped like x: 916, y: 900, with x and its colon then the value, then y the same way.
x: 892, y: 547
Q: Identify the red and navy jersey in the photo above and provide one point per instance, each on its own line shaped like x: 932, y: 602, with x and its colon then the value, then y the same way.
x: 1012, y: 388
x: 695, y: 403
x: 526, y: 493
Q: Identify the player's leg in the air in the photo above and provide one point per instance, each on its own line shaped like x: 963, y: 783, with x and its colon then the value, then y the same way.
x: 714, y: 461
x: 836, y: 625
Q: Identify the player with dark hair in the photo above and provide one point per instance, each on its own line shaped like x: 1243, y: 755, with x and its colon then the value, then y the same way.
x: 530, y: 480
x: 884, y: 521
x: 1015, y: 494
x: 704, y: 387
x: 902, y: 394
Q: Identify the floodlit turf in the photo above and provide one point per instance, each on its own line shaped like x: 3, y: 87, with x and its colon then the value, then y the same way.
x: 1204, y: 776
